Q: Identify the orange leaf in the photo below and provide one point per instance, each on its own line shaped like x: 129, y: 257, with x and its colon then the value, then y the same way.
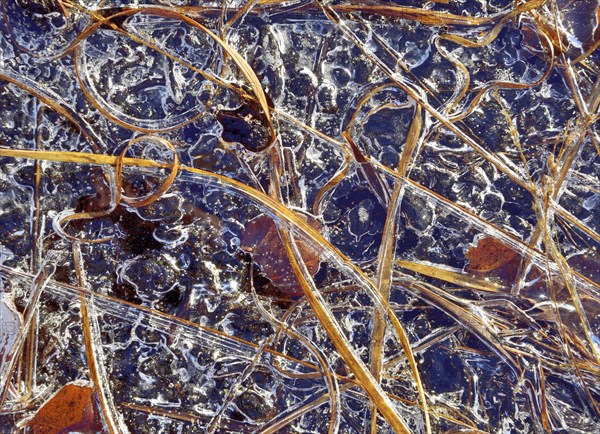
x: 490, y: 254
x: 71, y: 409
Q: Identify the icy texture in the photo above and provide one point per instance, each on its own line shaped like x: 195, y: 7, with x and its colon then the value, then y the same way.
x: 301, y: 217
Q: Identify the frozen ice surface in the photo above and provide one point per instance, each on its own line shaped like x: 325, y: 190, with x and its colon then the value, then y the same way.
x: 303, y: 217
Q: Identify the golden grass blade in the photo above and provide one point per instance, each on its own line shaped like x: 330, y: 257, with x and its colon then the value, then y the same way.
x: 158, y: 316
x: 384, y: 272
x: 331, y: 380
x: 471, y: 322
x: 459, y: 279
x: 240, y: 62
x: 326, y: 318
x: 419, y: 95
x: 39, y: 282
x: 296, y: 223
x: 108, y: 410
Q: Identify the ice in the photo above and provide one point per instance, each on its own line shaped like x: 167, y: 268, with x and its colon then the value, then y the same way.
x: 301, y: 217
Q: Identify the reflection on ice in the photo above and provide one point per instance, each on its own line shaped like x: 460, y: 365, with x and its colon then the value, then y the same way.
x: 300, y: 217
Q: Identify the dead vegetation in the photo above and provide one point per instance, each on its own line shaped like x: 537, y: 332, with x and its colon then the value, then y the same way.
x: 337, y: 229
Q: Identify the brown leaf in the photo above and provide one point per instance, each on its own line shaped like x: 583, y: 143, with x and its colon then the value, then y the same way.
x: 262, y: 240
x: 71, y: 409
x: 489, y: 254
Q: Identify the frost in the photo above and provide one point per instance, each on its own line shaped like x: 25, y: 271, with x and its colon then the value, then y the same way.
x: 306, y: 217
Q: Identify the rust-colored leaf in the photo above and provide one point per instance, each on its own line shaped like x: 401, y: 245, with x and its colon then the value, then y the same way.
x: 71, y: 409
x: 489, y: 254
x: 261, y: 239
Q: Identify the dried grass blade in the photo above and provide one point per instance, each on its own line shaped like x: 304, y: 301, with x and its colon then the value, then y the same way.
x: 475, y: 325
x: 39, y: 283
x: 385, y: 268
x: 459, y: 279
x: 95, y: 371
x: 326, y: 318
